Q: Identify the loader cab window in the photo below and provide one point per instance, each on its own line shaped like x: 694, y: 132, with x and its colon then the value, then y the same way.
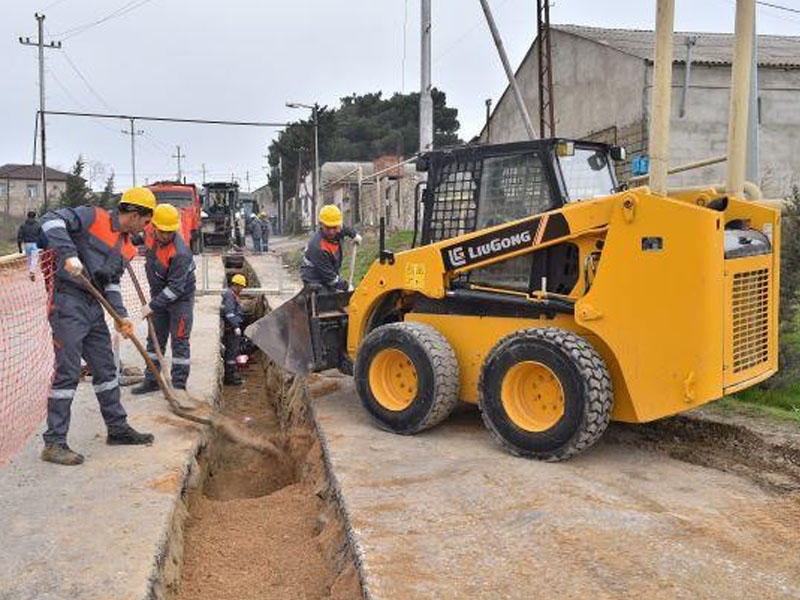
x: 512, y: 187
x: 586, y: 173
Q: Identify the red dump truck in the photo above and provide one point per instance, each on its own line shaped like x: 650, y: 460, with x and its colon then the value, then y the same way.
x: 185, y: 198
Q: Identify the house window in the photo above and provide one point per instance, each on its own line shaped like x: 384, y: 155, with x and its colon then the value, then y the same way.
x: 33, y: 191
x: 3, y: 188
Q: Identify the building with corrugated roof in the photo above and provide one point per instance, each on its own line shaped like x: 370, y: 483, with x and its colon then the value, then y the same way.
x: 602, y: 86
x: 21, y: 188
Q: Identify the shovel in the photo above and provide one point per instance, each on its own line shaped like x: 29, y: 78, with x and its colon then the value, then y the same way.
x: 226, y: 425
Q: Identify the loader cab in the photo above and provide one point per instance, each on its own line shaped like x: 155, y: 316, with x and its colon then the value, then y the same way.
x: 471, y: 188
x: 474, y: 187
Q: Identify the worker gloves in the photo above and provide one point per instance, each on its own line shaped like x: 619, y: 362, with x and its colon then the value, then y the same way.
x: 146, y: 311
x: 125, y: 327
x: 357, y: 239
x: 237, y: 331
x: 73, y: 266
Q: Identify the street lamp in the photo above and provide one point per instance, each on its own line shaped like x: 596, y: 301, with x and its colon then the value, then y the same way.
x: 315, y: 181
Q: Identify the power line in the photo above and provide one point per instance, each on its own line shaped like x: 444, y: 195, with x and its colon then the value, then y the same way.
x: 779, y: 7
x: 165, y: 119
x: 86, y: 82
x: 118, y: 12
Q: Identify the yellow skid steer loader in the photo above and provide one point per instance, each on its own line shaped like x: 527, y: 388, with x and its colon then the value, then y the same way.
x: 551, y: 298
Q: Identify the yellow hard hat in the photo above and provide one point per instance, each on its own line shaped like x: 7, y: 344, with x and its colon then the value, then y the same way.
x: 239, y: 279
x: 139, y: 196
x: 262, y: 215
x: 330, y: 216
x: 166, y: 218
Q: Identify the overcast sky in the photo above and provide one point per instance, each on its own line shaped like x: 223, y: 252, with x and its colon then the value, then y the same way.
x: 243, y: 59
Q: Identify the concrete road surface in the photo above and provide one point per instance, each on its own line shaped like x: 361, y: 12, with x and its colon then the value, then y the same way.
x: 448, y: 514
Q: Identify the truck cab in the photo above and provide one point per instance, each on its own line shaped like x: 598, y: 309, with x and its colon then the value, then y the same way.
x: 185, y: 198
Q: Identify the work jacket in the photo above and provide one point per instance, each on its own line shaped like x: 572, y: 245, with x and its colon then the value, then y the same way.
x: 92, y: 234
x: 170, y: 271
x: 230, y: 311
x: 322, y: 259
x: 28, y: 233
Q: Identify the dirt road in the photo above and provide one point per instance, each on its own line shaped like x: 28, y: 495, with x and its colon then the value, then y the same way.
x: 447, y: 514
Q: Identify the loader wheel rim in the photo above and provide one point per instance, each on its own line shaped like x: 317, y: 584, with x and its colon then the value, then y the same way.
x: 393, y: 379
x: 532, y: 396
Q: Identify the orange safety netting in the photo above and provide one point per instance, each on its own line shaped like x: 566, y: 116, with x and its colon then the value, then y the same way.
x: 26, y: 348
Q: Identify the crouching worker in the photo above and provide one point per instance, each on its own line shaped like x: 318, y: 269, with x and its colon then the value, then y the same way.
x: 169, y: 265
x: 232, y: 320
x: 322, y: 259
x: 90, y: 241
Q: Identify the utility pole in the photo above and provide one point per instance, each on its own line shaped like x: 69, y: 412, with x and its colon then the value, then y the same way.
x: 247, y: 179
x: 178, y: 156
x: 42, y: 45
x: 203, y: 166
x: 425, y: 100
x: 281, y: 207
x: 512, y: 81
x: 547, y: 122
x: 488, y: 117
x: 133, y: 133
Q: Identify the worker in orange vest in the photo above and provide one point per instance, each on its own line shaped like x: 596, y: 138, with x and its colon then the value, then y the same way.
x: 91, y: 241
x: 169, y: 265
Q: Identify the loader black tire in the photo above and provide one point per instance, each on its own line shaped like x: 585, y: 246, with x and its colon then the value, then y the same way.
x: 578, y: 374
x: 435, y: 370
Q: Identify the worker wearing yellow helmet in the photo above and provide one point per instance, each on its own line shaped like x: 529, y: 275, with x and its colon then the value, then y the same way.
x: 92, y: 242
x: 169, y: 265
x: 232, y: 317
x: 322, y: 259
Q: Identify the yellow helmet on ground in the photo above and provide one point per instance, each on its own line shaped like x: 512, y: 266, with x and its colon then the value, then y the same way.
x: 239, y: 279
x: 166, y: 218
x: 139, y: 196
x: 330, y: 216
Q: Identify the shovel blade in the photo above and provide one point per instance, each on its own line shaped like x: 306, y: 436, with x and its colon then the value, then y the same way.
x: 284, y: 335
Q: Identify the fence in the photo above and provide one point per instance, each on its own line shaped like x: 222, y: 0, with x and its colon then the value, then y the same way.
x: 26, y: 349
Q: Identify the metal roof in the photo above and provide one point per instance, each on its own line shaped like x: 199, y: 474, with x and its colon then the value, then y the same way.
x: 709, y: 48
x: 32, y: 172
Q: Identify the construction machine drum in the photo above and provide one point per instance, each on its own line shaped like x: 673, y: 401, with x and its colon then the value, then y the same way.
x: 406, y: 375
x: 545, y: 393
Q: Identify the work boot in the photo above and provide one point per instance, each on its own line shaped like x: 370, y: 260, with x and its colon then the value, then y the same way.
x: 147, y: 386
x: 61, y: 454
x: 125, y: 435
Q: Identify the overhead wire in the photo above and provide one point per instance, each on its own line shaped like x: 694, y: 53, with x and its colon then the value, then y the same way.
x: 118, y: 12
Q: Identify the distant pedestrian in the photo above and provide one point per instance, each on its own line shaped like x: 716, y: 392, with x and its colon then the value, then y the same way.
x: 264, y: 219
x: 230, y: 313
x: 256, y: 232
x: 169, y: 265
x: 27, y: 240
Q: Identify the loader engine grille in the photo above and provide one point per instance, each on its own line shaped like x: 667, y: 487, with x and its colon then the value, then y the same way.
x: 750, y: 319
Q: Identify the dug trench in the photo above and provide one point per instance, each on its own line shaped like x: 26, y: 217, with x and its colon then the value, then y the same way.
x: 255, y: 525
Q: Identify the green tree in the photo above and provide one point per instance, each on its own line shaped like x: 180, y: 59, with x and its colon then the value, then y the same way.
x: 76, y: 192
x: 361, y: 129
x: 107, y: 196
